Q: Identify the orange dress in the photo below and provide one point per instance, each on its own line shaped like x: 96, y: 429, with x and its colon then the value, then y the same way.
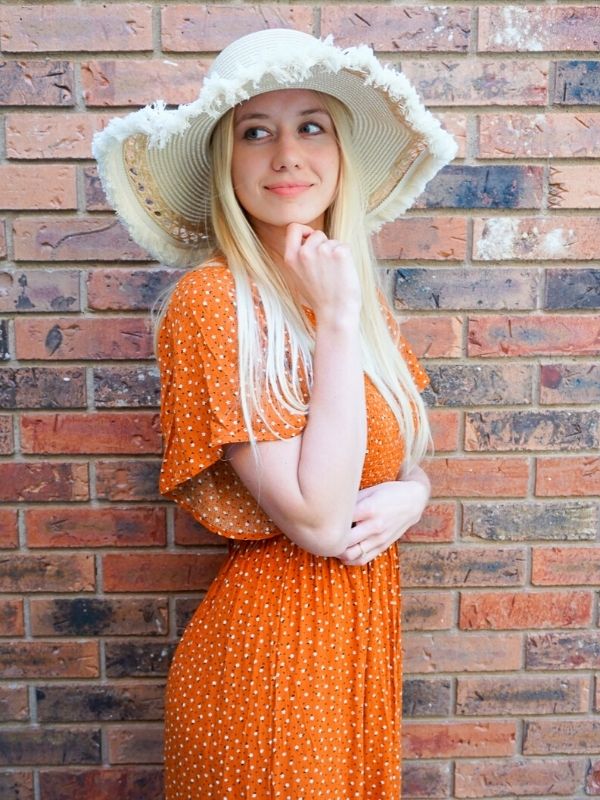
x: 287, y: 682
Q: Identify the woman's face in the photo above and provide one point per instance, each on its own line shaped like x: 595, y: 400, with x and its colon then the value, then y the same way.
x: 286, y: 160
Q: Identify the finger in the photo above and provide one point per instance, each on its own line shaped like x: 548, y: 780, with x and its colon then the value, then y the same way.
x: 294, y: 237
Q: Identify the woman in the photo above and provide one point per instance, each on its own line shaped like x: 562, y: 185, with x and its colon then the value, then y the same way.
x: 290, y: 409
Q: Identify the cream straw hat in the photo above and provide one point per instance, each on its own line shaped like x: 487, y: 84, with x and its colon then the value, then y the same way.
x: 155, y: 163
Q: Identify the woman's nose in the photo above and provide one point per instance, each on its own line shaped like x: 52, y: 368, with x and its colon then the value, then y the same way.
x: 287, y: 153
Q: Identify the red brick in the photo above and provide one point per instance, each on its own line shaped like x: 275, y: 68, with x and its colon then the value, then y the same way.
x: 426, y: 780
x: 90, y: 703
x: 188, y: 532
x: 95, y: 527
x: 137, y: 83
x: 518, y: 778
x: 127, y: 480
x: 101, y: 432
x: 11, y: 615
x: 519, y: 28
x: 551, y: 334
x: 160, y: 572
x: 101, y: 784
x: 99, y: 616
x: 512, y: 610
x: 49, y: 746
x: 74, y: 239
x: 445, y: 426
x: 563, y: 650
x: 573, y: 476
x: 473, y: 566
x: 42, y: 387
x: 14, y: 705
x: 565, y: 566
x: 540, y: 136
x: 475, y: 82
x: 597, y: 699
x: 133, y: 659
x: 2, y: 239
x: 49, y: 660
x: 48, y: 573
x: 426, y: 612
x: 9, y: 535
x: 592, y: 782
x: 38, y: 83
x: 452, y: 652
x: 434, y: 239
x: 532, y: 430
x: 434, y: 337
x: 530, y: 521
x: 574, y: 186
x: 570, y: 383
x: 129, y: 290
x: 427, y: 697
x: 64, y: 136
x: 539, y: 694
x: 40, y: 187
x: 126, y: 387
x: 135, y: 745
x: 58, y: 338
x: 561, y: 736
x: 478, y: 477
x: 398, y: 29
x: 534, y: 239
x: 458, y: 739
x: 54, y: 28
x: 95, y: 197
x: 437, y: 524
x: 7, y: 443
x: 40, y: 290
x: 43, y: 481
x: 205, y: 28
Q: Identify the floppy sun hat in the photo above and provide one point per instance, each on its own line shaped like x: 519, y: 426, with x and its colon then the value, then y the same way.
x: 155, y: 163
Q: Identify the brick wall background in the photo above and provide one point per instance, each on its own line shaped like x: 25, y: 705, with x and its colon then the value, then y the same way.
x: 496, y: 274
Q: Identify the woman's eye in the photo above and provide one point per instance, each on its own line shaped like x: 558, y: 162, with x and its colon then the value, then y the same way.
x: 311, y: 127
x: 254, y: 134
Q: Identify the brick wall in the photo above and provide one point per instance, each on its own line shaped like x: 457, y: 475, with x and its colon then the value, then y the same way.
x: 496, y: 274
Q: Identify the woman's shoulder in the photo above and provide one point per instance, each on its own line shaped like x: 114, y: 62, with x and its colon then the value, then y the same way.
x: 207, y: 284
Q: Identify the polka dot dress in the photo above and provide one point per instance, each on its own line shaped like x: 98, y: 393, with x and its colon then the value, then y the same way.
x: 286, y: 684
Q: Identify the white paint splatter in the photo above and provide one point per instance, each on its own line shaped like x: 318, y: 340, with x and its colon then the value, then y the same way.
x: 517, y: 32
x: 554, y: 243
x: 498, y: 239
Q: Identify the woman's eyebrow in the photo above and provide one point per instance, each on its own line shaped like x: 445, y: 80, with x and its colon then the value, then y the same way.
x: 251, y: 115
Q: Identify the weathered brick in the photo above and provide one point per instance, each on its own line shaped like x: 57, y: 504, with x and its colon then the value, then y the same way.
x: 592, y: 778
x: 443, y: 651
x: 185, y: 608
x: 532, y: 430
x: 561, y: 736
x: 102, y: 432
x: 576, y: 382
x: 64, y: 136
x: 28, y: 572
x: 513, y: 610
x: 464, y: 186
x: 46, y: 186
x: 577, y: 288
x: 64, y: 338
x: 426, y: 612
x: 102, y: 784
x: 43, y: 481
x: 49, y: 746
x: 479, y: 384
x: 458, y: 739
x: 209, y: 28
x: 445, y: 427
x: 541, y: 136
x: 74, y: 239
x: 11, y: 612
x: 576, y: 83
x: 158, y: 572
x: 42, y: 387
x: 4, y: 340
x: 533, y: 239
x: 427, y: 697
x: 129, y: 290
x: 84, y: 703
x: 128, y: 480
x: 476, y: 696
x: 2, y: 239
x: 563, y: 650
x: 95, y: 527
x: 477, y: 82
x: 39, y: 83
x: 192, y: 533
x: 577, y: 476
x: 574, y: 186
x: 439, y: 239
x: 55, y: 28
x: 99, y: 616
x: 95, y: 196
x: 49, y: 660
x: 16, y: 785
x: 436, y: 525
x: 138, y: 660
x: 425, y: 780
x: 478, y: 477
x: 461, y: 289
x: 518, y: 778
x: 135, y: 745
x: 126, y: 387
x: 40, y: 290
x: 434, y: 337
x: 530, y: 521
x: 528, y: 336
x: 14, y: 704
x: 565, y: 566
x: 136, y: 83
x: 520, y: 28
x: 7, y: 442
x: 445, y: 566
x: 399, y: 29
x: 9, y: 535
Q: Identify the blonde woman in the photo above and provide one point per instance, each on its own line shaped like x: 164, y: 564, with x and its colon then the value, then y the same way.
x: 290, y: 408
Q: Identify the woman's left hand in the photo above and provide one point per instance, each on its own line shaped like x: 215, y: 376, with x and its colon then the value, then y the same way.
x: 383, y: 513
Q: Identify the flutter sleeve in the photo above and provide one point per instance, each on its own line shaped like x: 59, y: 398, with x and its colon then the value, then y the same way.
x: 201, y: 411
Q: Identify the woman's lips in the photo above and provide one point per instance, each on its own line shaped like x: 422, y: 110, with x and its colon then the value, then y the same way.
x: 288, y: 189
